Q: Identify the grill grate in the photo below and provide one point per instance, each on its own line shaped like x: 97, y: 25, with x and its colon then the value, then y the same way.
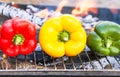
x: 38, y: 63
x: 84, y: 64
x: 84, y: 61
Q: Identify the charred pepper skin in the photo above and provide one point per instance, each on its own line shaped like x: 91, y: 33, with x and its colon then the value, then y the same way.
x: 17, y: 36
x: 105, y: 39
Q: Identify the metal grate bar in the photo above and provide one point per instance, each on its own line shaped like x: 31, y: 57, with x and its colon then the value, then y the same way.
x: 45, y: 66
x: 117, y: 60
x: 99, y: 61
x: 35, y: 60
x: 89, y: 59
x: 109, y: 63
x: 55, y: 67
x: 81, y: 61
x: 64, y: 66
x: 73, y: 64
x: 16, y: 63
x: 25, y: 61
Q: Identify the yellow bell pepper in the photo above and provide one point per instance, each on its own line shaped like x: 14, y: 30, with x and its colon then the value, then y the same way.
x: 63, y: 35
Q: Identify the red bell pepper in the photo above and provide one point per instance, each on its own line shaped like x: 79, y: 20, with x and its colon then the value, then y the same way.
x: 18, y: 36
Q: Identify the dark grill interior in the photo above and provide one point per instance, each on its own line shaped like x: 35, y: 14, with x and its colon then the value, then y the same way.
x: 85, y: 64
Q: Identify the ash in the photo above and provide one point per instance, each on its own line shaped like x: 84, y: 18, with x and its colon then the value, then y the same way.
x: 109, y: 63
x: 89, y: 21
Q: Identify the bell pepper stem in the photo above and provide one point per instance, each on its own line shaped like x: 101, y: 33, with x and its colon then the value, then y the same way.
x: 64, y: 36
x: 108, y: 43
x: 18, y: 39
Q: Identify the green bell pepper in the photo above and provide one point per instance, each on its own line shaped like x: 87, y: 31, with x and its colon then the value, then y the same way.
x: 105, y: 39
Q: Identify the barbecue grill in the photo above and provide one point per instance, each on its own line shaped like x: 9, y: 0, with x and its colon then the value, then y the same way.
x: 40, y: 64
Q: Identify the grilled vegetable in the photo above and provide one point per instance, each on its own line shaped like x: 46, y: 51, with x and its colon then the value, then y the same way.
x: 18, y: 36
x: 105, y: 39
x: 62, y: 35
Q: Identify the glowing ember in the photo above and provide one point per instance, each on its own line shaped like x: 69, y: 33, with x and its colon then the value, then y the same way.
x: 15, y: 5
x: 114, y: 11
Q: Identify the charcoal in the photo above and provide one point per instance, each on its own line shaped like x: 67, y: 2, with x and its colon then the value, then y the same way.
x: 6, y: 11
x: 38, y: 21
x: 11, y: 12
x: 2, y: 6
x: 32, y: 8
